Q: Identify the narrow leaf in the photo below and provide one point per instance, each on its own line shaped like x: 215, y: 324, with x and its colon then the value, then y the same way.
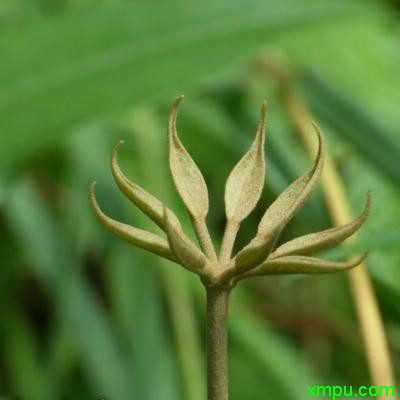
x: 246, y: 181
x: 183, y: 248
x: 292, y: 198
x: 304, y: 265
x: 145, y: 201
x: 321, y: 240
x: 138, y: 237
x: 187, y: 177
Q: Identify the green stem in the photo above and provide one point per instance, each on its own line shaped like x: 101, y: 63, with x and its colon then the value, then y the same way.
x: 228, y: 241
x: 217, y: 343
x: 203, y: 235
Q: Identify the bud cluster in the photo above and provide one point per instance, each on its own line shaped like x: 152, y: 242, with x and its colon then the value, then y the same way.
x: 242, y: 192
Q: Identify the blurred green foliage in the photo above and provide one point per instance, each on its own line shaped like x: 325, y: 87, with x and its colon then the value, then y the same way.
x: 84, y: 316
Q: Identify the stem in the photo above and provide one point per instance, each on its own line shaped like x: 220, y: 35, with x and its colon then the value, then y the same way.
x: 217, y: 343
x: 369, y: 317
x: 228, y: 241
x: 203, y: 235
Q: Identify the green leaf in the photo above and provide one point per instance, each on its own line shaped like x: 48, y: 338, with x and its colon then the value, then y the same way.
x: 246, y: 181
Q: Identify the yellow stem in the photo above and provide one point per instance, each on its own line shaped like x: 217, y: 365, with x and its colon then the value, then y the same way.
x: 369, y: 317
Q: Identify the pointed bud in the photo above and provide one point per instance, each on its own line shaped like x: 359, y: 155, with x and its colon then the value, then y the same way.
x: 322, y: 240
x: 246, y: 181
x: 293, y: 197
x: 304, y: 265
x: 142, y: 199
x: 183, y: 248
x: 187, y: 177
x: 138, y: 237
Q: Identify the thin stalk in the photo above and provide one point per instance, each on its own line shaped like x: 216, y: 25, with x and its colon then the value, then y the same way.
x: 369, y: 317
x: 205, y: 241
x: 228, y: 241
x: 217, y: 343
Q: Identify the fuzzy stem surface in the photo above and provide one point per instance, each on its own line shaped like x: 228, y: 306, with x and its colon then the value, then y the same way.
x: 217, y: 343
x: 203, y: 235
x: 228, y: 241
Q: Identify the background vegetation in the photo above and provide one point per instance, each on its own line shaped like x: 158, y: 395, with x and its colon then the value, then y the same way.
x: 83, y: 315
